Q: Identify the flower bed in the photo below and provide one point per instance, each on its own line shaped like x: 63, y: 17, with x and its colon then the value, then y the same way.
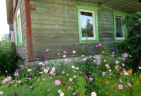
x: 85, y: 78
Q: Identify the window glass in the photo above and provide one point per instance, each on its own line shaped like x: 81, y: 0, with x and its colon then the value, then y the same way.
x: 119, y: 32
x: 87, y: 24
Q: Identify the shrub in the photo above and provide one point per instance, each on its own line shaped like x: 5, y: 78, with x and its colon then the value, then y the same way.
x: 7, y: 58
x: 132, y: 44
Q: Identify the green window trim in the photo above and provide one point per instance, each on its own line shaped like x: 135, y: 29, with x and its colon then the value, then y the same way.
x: 19, y: 28
x: 95, y: 23
x: 15, y: 32
x: 125, y: 27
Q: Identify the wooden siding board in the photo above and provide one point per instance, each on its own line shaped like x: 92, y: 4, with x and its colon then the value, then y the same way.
x: 21, y: 51
x: 55, y: 25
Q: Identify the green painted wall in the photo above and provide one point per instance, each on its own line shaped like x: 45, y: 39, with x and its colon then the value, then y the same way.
x: 55, y: 26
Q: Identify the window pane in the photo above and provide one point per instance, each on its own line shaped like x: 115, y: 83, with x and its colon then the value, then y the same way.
x: 87, y: 24
x: 119, y: 32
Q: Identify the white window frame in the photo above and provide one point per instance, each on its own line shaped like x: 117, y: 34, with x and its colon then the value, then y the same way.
x: 94, y: 34
x: 123, y: 28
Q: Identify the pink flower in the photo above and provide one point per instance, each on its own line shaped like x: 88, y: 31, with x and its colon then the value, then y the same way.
x: 105, y: 60
x: 74, y: 93
x: 19, y: 81
x: 126, y: 86
x: 113, y: 52
x: 116, y: 67
x: 59, y: 64
x: 47, y: 50
x: 48, y: 68
x: 43, y: 64
x: 129, y: 84
x: 102, y: 51
x: 106, y: 65
x: 120, y: 80
x: 97, y: 67
x: 35, y: 77
x: 57, y: 82
x: 98, y: 63
x: 9, y: 78
x: 67, y: 74
x: 5, y: 80
x: 125, y: 73
x: 65, y: 52
x: 96, y: 45
x: 40, y: 72
x: 63, y: 72
x: 69, y: 87
x: 112, y: 55
x: 66, y: 60
x: 123, y: 64
x: 99, y: 44
x: 16, y: 74
x: 103, y: 73
x: 29, y: 78
x: 52, y: 71
x: 84, y: 59
x: 120, y: 86
x: 125, y: 54
x: 74, y: 51
x: 70, y: 79
x: 86, y: 76
x: 91, y: 79
x: 30, y: 86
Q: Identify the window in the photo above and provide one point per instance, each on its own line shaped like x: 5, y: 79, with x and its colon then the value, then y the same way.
x: 120, y: 31
x: 19, y: 28
x: 15, y: 32
x: 87, y: 24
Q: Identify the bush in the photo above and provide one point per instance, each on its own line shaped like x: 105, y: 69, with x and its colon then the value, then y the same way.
x: 7, y: 58
x: 132, y: 44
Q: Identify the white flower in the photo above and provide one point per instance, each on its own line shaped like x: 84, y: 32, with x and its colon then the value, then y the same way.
x: 45, y: 70
x: 53, y: 68
x: 29, y: 70
x: 93, y: 94
x: 59, y: 91
x: 83, y: 55
x: 94, y: 60
x: 61, y: 94
x: 110, y: 70
x: 64, y: 56
x: 42, y: 67
x: 74, y: 71
x: 58, y: 53
x: 40, y: 63
x: 139, y: 67
x: 75, y: 76
x: 1, y: 92
x: 46, y: 62
x: 76, y: 68
x: 72, y: 67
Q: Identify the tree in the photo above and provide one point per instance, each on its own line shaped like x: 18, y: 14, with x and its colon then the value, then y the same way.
x: 132, y: 44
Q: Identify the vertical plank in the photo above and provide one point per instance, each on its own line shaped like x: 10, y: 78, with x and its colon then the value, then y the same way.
x: 28, y: 30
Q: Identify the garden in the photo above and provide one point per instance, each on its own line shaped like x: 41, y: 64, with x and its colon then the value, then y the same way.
x: 78, y: 77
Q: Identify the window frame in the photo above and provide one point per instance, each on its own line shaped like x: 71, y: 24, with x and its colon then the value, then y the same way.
x: 15, y: 34
x: 19, y: 27
x: 124, y: 28
x: 95, y: 24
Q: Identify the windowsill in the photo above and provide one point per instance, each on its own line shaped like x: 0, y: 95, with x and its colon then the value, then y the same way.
x: 119, y: 40
x: 88, y: 41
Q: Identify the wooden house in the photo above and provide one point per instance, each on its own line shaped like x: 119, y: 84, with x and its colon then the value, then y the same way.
x: 66, y: 25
